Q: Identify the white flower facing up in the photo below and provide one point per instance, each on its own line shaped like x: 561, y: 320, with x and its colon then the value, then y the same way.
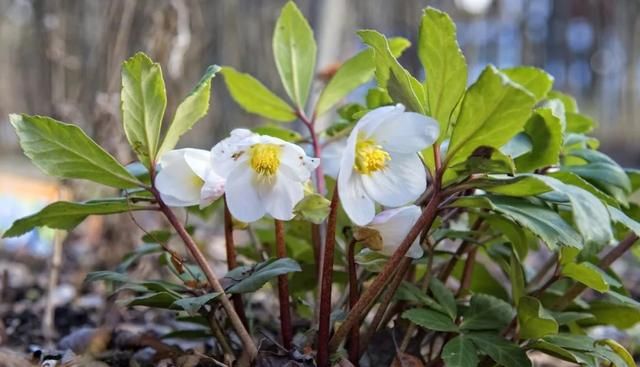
x: 186, y: 178
x: 387, y: 230
x: 265, y: 175
x: 381, y: 162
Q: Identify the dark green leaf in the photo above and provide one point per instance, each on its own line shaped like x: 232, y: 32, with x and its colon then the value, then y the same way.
x: 534, y: 321
x: 460, y: 352
x: 251, y: 278
x: 501, y: 351
x: 144, y: 100
x: 444, y: 296
x: 487, y: 313
x: 572, y: 341
x: 110, y: 276
x: 193, y: 304
x: 430, y: 320
x: 155, y: 300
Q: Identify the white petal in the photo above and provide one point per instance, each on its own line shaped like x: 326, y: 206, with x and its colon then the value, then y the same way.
x: 408, y: 132
x: 242, y: 195
x: 212, y: 189
x: 295, y: 163
x: 401, y: 182
x: 232, y: 151
x: 369, y: 123
x: 394, y: 225
x: 177, y: 183
x: 332, y: 156
x: 198, y: 160
x: 355, y: 201
x: 280, y: 196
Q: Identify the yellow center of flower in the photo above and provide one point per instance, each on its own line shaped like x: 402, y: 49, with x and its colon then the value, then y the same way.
x: 265, y: 159
x: 370, y: 157
x: 197, y: 181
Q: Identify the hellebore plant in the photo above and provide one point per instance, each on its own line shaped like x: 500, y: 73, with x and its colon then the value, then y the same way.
x: 426, y: 232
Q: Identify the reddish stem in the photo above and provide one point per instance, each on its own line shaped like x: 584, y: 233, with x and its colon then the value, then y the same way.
x: 354, y: 340
x: 317, y: 148
x: 283, y: 289
x: 232, y: 261
x: 465, y: 281
x: 324, y: 321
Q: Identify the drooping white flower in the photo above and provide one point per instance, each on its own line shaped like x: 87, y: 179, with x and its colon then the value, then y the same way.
x: 332, y: 156
x: 265, y: 175
x: 381, y: 162
x: 387, y: 230
x: 186, y: 178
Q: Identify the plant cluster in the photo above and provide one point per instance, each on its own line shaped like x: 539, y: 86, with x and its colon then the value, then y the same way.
x: 417, y: 208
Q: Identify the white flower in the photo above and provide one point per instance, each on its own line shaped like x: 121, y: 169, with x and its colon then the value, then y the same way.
x: 265, y: 175
x: 186, y: 178
x: 381, y: 162
x: 332, y: 156
x: 387, y: 230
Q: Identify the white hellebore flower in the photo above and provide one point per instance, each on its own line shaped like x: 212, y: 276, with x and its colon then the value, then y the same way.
x: 265, y: 175
x: 332, y: 157
x: 186, y: 178
x: 381, y: 163
x: 387, y: 230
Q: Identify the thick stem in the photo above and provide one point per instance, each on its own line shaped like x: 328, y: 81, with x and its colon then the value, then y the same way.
x: 353, y: 345
x: 465, y: 281
x: 324, y: 321
x: 283, y: 289
x: 232, y: 261
x: 358, y: 312
x: 236, y: 322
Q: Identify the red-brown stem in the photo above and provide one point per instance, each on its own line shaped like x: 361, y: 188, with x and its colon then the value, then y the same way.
x: 242, y: 332
x: 465, y: 281
x: 324, y: 322
x: 317, y: 148
x: 464, y: 247
x: 316, y: 242
x: 283, y: 289
x: 353, y: 345
x: 232, y: 261
x: 359, y: 310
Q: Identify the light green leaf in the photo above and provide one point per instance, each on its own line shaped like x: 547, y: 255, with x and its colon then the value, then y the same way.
x: 543, y: 222
x: 251, y: 278
x: 254, y: 97
x: 501, y: 351
x: 587, y: 274
x: 430, y: 320
x: 493, y: 110
x: 444, y: 65
x: 193, y: 304
x: 294, y: 49
x: 545, y: 128
x: 535, y: 80
x: 444, y: 296
x: 520, y: 185
x: 279, y: 132
x: 353, y: 73
x: 517, y: 278
x: 460, y: 352
x: 572, y: 341
x: 190, y: 111
x: 534, y: 321
x: 402, y: 87
x: 570, y: 104
x: 487, y: 313
x: 579, y: 123
x: 66, y: 215
x: 64, y: 150
x: 618, y: 349
x: 622, y: 316
x: 313, y: 208
x: 144, y: 100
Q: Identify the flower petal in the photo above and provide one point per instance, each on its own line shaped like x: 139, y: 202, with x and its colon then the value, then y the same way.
x: 402, y: 181
x: 177, y: 183
x: 232, y: 151
x: 332, y: 156
x: 212, y: 189
x: 355, y: 201
x: 394, y: 225
x: 281, y: 196
x: 242, y: 196
x: 295, y: 163
x: 408, y: 132
x: 369, y: 123
x: 198, y: 160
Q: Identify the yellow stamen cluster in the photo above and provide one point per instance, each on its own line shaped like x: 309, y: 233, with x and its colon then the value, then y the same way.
x: 370, y: 157
x: 265, y: 159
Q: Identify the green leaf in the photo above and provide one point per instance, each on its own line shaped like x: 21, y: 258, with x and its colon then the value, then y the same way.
x: 579, y: 123
x: 554, y: 350
x: 485, y: 160
x: 313, y: 208
x: 618, y: 216
x: 430, y: 320
x: 190, y: 111
x: 535, y: 80
x: 575, y: 180
x: 566, y: 318
x: 545, y: 129
x: 445, y: 297
x: 411, y: 293
x: 620, y: 351
x: 483, y: 281
x: 251, y: 278
x: 110, y: 276
x: 444, y: 65
x: 534, y: 321
x: 570, y: 104
x: 587, y: 274
x: 402, y: 87
x: 354, y: 72
x: 460, y: 352
x: 278, y: 132
x: 294, y: 49
x: 487, y: 313
x: 66, y: 215
x: 493, y: 111
x: 255, y: 98
x: 543, y: 222
x: 517, y: 278
x: 501, y: 351
x: 622, y: 316
x: 144, y: 249
x: 601, y: 171
x: 154, y: 300
x: 572, y: 341
x: 64, y: 150
x: 193, y: 304
x: 144, y: 100
x: 520, y: 185
x: 513, y: 232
